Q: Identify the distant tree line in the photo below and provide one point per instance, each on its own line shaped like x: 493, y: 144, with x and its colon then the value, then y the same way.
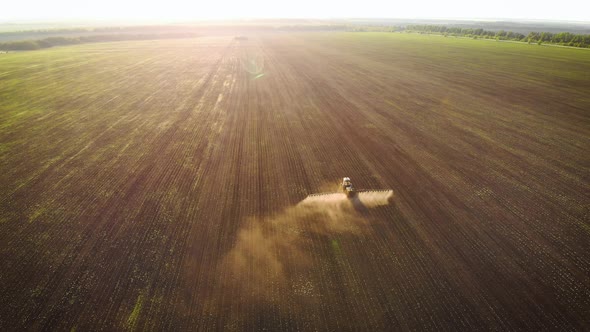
x: 27, y: 45
x: 372, y: 28
x: 309, y: 27
x: 562, y: 38
x: 135, y: 29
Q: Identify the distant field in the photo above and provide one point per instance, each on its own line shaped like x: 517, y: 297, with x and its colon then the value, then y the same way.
x: 155, y: 185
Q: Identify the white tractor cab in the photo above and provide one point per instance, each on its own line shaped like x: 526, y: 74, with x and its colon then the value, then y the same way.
x: 347, y: 187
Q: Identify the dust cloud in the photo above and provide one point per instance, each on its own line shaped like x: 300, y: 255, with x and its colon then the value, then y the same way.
x: 271, y: 255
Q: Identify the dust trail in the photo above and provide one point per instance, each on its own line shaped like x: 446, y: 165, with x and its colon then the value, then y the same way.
x: 372, y: 199
x: 272, y: 254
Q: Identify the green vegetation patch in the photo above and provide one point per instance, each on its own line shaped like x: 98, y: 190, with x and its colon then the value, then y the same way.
x: 132, y: 320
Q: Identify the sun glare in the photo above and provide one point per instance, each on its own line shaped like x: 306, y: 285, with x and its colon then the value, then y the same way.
x: 230, y: 9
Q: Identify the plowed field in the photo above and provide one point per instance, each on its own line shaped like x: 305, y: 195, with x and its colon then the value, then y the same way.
x: 160, y: 185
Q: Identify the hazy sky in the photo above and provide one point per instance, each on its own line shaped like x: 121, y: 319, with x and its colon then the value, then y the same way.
x: 218, y: 9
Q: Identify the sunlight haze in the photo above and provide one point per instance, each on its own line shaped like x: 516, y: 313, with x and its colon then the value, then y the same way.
x: 231, y: 9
